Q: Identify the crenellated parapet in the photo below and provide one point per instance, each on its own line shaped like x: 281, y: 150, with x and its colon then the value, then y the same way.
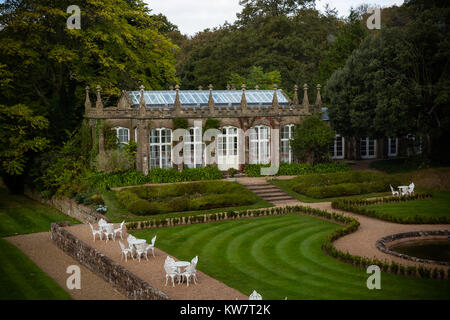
x: 139, y: 104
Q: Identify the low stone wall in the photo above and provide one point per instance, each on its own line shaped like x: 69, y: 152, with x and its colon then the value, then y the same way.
x: 70, y: 207
x: 126, y: 282
x: 382, y: 244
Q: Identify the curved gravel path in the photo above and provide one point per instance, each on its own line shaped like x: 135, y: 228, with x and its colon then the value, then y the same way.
x: 363, y: 241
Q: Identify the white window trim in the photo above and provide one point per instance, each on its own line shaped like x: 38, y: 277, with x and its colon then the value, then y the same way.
x: 160, y: 145
x: 290, y: 136
x: 257, y: 156
x: 334, y: 155
x: 118, y: 135
x: 197, y: 143
x: 390, y: 154
x: 367, y: 156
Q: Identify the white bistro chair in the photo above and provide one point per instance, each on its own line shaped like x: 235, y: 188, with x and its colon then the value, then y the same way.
x: 141, y: 250
x: 411, y: 188
x: 394, y: 193
x: 171, y: 270
x: 95, y: 232
x: 119, y: 230
x: 108, y: 230
x: 125, y: 251
x: 151, y: 246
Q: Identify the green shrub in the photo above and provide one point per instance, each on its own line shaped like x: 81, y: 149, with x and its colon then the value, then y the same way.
x: 178, y: 204
x: 295, y: 168
x: 114, y: 161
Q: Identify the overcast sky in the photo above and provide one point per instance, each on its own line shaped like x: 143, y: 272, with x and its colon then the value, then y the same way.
x: 192, y: 16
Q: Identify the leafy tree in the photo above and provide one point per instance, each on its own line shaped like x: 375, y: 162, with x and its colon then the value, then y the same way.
x: 397, y: 81
x: 342, y: 46
x: 256, y: 76
x: 21, y: 136
x: 255, y: 9
x: 119, y: 46
x: 293, y: 44
x: 311, y: 140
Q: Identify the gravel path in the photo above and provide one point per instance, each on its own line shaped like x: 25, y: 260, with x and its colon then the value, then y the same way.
x: 54, y: 262
x: 152, y: 271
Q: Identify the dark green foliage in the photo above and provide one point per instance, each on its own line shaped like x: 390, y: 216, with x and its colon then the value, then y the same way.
x: 311, y: 140
x: 211, y: 124
x: 287, y: 169
x: 157, y: 175
x: 184, y: 197
x: 180, y: 123
x: 346, y: 183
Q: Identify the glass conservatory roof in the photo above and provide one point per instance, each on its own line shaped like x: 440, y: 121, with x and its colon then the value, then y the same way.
x: 200, y: 98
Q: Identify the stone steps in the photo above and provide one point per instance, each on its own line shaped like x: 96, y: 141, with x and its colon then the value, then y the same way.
x: 269, y: 192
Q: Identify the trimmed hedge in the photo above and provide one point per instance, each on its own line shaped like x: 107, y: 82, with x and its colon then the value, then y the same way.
x: 351, y: 225
x: 294, y: 169
x: 339, y: 184
x: 157, y: 175
x: 184, y: 197
x: 356, y: 206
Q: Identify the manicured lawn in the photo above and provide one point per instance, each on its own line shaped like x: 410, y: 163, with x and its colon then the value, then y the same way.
x: 437, y: 206
x: 281, y: 256
x: 286, y: 186
x: 21, y: 279
x: 21, y: 215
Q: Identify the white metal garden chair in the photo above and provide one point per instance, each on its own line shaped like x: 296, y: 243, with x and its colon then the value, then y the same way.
x: 95, y: 232
x: 171, y: 270
x: 141, y: 250
x: 119, y: 230
x: 189, y: 272
x: 255, y: 296
x: 394, y: 193
x: 108, y: 230
x: 125, y: 251
x: 411, y: 189
x: 151, y: 246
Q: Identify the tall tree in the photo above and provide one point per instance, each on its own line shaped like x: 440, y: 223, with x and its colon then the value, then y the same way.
x: 256, y: 77
x: 118, y: 47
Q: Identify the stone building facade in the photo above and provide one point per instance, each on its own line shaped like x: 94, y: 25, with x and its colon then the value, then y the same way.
x: 254, y: 125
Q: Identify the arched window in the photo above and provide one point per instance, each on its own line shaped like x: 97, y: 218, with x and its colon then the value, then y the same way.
x: 260, y: 145
x: 227, y: 148
x: 160, y: 148
x: 287, y: 133
x: 195, y: 148
x: 123, y: 135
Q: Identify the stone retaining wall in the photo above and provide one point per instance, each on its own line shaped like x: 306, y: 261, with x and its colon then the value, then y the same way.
x: 119, y: 277
x: 383, y: 242
x: 70, y: 207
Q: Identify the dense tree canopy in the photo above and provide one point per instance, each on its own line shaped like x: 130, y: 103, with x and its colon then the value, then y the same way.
x: 293, y: 44
x: 397, y: 81
x: 47, y: 65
